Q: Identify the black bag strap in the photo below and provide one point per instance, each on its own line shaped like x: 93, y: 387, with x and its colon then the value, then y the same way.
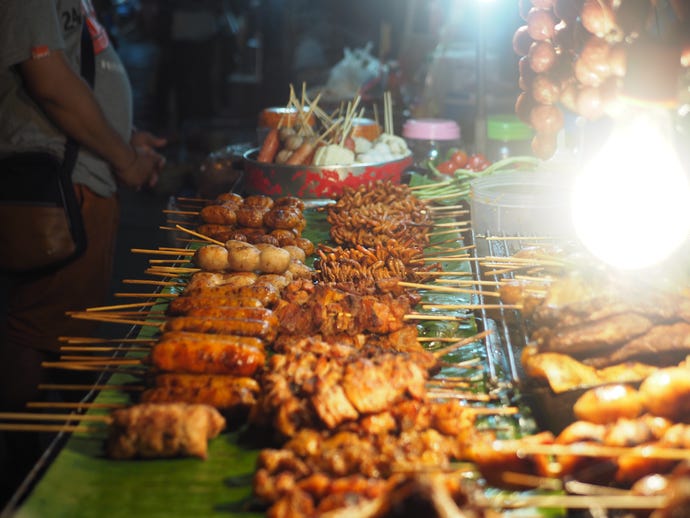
x: 72, y: 206
x: 88, y: 72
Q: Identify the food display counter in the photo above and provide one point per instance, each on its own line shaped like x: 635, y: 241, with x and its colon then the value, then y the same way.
x: 78, y: 479
x: 428, y: 343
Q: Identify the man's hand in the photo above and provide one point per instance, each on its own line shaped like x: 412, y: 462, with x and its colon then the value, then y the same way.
x: 147, y: 140
x: 147, y: 164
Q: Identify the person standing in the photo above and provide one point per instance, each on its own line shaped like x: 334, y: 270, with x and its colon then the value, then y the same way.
x: 44, y: 100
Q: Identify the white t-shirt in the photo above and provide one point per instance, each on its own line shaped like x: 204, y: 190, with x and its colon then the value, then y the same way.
x: 29, y: 28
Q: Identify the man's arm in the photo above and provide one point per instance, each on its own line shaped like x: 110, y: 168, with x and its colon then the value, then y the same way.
x: 69, y: 101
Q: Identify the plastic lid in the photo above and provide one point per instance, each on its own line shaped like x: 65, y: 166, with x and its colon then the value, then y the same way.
x: 431, y: 129
x: 507, y: 127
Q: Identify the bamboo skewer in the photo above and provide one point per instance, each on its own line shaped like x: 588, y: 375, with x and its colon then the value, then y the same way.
x: 444, y: 289
x: 88, y: 340
x: 516, y: 238
x: 437, y: 339
x: 198, y: 200
x: 68, y: 348
x: 471, y: 306
x: 499, y: 410
x: 454, y: 394
x: 453, y: 224
x: 153, y: 283
x: 147, y: 296
x: 200, y: 236
x: 26, y: 427
x: 441, y: 382
x: 169, y: 261
x: 577, y: 501
x: 446, y: 232
x: 173, y: 269
x: 528, y: 480
x: 461, y: 343
x: 115, y: 319
x: 181, y: 212
x: 176, y: 222
x: 16, y: 416
x: 122, y: 306
x: 433, y: 273
x: 160, y: 251
x: 591, y: 450
x: 497, y: 260
x: 75, y: 406
x: 57, y: 386
x: 467, y: 282
x: 86, y: 367
x: 584, y: 488
x: 426, y: 316
x: 447, y: 259
x: 107, y: 362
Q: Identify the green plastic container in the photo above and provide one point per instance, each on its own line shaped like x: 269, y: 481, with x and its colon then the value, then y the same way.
x: 507, y: 136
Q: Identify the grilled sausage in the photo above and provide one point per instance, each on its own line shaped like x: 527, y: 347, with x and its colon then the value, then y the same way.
x: 278, y: 281
x: 211, y: 258
x: 234, y: 312
x: 289, y: 201
x: 258, y: 200
x: 266, y: 293
x: 284, y: 236
x: 273, y: 259
x: 211, y: 279
x: 219, y: 214
x: 295, y: 252
x: 284, y: 217
x: 251, y: 216
x: 199, y: 353
x: 219, y: 391
x: 214, y: 229
x: 305, y: 245
x: 262, y: 329
x: 607, y: 403
x: 266, y: 239
x: 666, y: 393
x: 230, y: 199
x: 242, y: 257
x: 182, y: 305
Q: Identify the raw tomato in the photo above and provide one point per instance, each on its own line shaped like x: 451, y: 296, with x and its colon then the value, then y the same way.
x: 477, y: 162
x: 459, y: 158
x: 447, y: 167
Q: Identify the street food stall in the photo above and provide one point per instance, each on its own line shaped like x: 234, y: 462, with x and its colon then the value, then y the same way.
x: 373, y: 328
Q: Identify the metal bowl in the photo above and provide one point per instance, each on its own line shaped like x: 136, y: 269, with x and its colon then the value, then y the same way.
x: 313, y: 181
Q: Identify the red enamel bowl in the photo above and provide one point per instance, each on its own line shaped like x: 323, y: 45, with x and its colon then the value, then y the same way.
x: 316, y: 182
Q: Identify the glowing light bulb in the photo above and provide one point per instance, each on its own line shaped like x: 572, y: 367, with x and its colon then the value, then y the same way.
x: 631, y: 203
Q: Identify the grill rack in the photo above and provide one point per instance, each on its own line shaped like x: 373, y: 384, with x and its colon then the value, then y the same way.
x: 509, y: 335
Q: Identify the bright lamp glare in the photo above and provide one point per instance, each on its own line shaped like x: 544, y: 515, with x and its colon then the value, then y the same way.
x: 631, y: 204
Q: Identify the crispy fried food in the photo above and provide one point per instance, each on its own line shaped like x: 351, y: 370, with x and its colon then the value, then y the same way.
x: 607, y: 403
x: 153, y: 430
x: 373, y: 214
x: 563, y: 372
x: 324, y: 385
